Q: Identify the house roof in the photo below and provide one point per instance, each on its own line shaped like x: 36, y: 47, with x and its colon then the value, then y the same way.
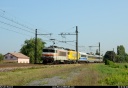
x: 19, y: 55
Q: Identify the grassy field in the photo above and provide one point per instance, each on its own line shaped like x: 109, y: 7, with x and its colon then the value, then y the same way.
x: 102, y: 75
x: 115, y: 75
x: 89, y: 74
x: 20, y: 77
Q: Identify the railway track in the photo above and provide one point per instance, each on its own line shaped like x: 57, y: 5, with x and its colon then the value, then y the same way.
x: 12, y: 66
x: 4, y: 67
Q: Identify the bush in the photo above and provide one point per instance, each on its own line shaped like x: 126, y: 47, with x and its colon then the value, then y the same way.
x: 126, y: 66
x: 1, y: 57
x: 111, y: 64
x: 108, y: 62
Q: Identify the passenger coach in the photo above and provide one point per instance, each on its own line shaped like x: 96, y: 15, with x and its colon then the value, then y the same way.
x: 83, y: 57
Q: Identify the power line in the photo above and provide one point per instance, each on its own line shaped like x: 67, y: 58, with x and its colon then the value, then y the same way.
x: 56, y: 40
x: 76, y: 39
x: 12, y: 20
x: 16, y: 22
x: 14, y: 31
x: 2, y: 11
x: 16, y: 27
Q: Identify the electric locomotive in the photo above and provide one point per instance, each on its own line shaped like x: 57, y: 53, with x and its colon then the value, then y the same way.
x: 54, y: 54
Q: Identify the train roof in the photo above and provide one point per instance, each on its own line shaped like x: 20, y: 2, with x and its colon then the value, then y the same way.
x: 69, y: 49
x: 83, y: 53
x: 53, y: 47
x: 95, y: 55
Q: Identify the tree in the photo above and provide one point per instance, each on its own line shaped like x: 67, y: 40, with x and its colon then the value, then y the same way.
x: 122, y: 56
x: 110, y: 55
x: 29, y: 49
x: 126, y: 57
x: 120, y: 50
x: 1, y: 57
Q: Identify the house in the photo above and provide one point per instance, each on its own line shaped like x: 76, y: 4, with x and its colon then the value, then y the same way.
x: 16, y: 57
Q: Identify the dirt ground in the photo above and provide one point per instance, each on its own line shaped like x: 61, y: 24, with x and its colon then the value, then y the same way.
x: 54, y: 81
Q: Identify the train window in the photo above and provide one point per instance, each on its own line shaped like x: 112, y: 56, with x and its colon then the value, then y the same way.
x: 49, y: 50
x: 45, y: 50
x: 52, y: 51
x: 83, y: 55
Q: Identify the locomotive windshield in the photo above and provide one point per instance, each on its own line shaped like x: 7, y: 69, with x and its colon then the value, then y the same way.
x: 49, y: 50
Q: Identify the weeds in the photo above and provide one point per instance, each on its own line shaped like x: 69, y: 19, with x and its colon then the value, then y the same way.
x: 22, y: 76
x: 126, y: 66
x: 114, y: 76
x: 87, y: 77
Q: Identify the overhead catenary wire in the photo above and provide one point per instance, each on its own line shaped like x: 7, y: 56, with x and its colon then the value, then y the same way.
x: 58, y: 41
x: 28, y: 29
x: 16, y: 22
x: 15, y: 26
x: 15, y: 31
x: 12, y: 20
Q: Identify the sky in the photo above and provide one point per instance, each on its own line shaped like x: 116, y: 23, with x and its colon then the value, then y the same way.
x: 104, y: 21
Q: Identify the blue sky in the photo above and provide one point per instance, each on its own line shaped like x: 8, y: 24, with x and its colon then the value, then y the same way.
x: 104, y: 21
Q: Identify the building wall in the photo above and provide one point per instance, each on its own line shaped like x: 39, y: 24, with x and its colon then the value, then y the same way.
x: 21, y: 60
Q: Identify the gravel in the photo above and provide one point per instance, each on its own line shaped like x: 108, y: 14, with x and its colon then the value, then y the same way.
x: 12, y: 68
x: 54, y: 81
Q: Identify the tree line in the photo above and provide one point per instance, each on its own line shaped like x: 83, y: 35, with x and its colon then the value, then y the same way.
x: 120, y: 56
x: 28, y: 48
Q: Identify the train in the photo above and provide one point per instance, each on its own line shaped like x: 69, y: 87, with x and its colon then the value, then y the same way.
x: 55, y: 54
x: 88, y: 58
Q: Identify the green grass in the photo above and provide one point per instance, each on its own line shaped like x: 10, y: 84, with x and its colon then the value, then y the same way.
x: 88, y: 77
x: 102, y: 75
x: 89, y: 74
x: 114, y: 76
x: 21, y: 77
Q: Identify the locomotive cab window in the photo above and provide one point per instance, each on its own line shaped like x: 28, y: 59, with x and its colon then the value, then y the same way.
x: 49, y: 50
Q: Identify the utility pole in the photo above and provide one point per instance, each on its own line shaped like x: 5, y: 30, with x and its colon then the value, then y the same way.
x: 96, y: 46
x: 99, y: 48
x: 71, y: 41
x: 36, y: 44
x: 77, y: 42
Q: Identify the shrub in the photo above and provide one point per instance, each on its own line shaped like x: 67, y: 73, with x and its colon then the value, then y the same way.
x: 108, y: 62
x: 126, y: 66
x: 111, y: 64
